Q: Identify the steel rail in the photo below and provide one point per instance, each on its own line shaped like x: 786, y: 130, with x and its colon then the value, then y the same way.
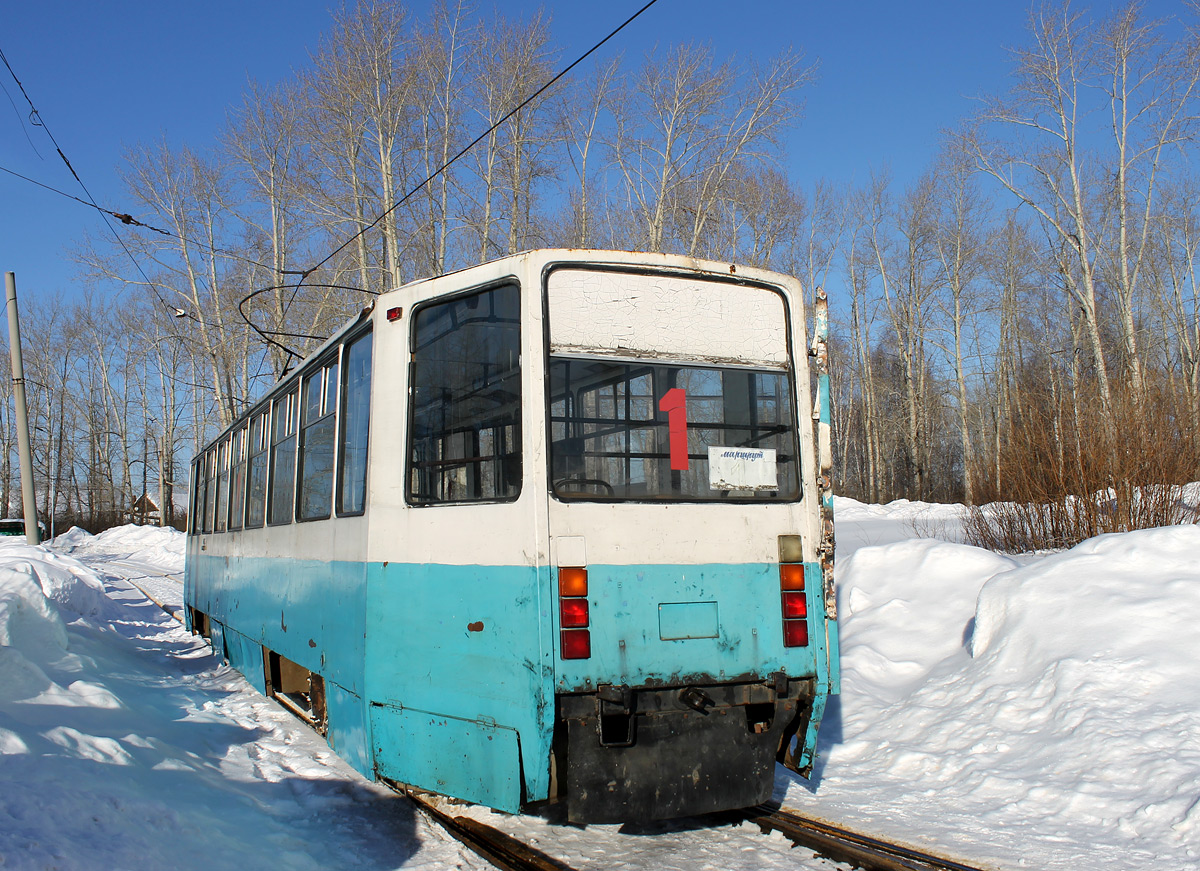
x: 845, y: 845
x: 497, y: 847
x: 169, y: 610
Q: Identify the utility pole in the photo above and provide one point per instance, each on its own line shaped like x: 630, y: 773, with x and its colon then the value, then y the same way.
x: 18, y: 371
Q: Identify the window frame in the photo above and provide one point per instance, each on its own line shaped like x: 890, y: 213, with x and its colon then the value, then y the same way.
x: 320, y: 370
x: 199, y: 483
x: 796, y: 394
x: 237, y: 478
x: 520, y: 423
x: 261, y: 412
x: 291, y: 395
x: 210, y: 490
x: 343, y: 421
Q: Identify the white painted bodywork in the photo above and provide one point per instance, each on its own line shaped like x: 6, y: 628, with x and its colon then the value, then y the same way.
x: 751, y: 323
x: 665, y: 317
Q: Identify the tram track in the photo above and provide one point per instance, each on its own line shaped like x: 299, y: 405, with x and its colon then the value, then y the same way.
x: 835, y: 843
x: 501, y: 849
x: 844, y: 845
x: 146, y: 573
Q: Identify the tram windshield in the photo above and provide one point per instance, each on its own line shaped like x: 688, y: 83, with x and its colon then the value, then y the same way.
x: 647, y: 432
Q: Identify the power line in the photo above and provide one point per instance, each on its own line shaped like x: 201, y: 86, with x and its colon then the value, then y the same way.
x: 481, y: 137
x: 36, y: 118
x: 131, y: 221
x: 307, y: 272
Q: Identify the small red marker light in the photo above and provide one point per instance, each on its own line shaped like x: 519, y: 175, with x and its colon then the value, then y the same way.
x: 394, y: 314
x: 794, y: 606
x: 795, y: 633
x: 576, y: 643
x: 574, y: 612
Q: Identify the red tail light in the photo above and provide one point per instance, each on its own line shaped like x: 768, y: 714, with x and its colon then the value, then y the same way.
x: 791, y: 585
x: 576, y: 638
x: 794, y: 606
x: 795, y: 633
x: 574, y: 613
x: 576, y: 643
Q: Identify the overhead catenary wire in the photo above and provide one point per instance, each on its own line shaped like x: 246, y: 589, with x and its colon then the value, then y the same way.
x: 38, y: 121
x: 305, y: 273
x: 131, y: 221
x: 483, y: 135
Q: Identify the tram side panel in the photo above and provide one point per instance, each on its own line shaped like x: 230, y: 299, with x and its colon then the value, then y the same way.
x: 456, y: 678
x: 309, y: 610
x: 458, y: 662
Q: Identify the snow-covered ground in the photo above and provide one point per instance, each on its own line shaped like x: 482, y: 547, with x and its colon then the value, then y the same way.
x: 1039, y: 712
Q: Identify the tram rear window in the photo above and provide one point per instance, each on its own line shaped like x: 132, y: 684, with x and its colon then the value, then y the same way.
x: 612, y: 423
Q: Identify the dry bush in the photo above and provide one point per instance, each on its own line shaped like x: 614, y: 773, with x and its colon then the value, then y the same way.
x: 1066, y: 477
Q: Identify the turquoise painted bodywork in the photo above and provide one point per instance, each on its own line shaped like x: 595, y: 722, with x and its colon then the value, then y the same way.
x: 653, y: 625
x: 312, y: 612
x: 246, y: 656
x: 445, y: 676
x: 466, y: 646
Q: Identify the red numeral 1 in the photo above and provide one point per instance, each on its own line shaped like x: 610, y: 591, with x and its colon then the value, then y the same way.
x: 674, y: 403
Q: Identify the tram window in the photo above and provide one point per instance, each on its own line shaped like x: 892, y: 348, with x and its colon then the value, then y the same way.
x: 210, y: 492
x: 222, y: 516
x: 256, y: 471
x: 316, y: 443
x: 237, y: 479
x: 610, y: 435
x: 196, y: 520
x: 283, y: 459
x: 465, y: 442
x: 356, y: 411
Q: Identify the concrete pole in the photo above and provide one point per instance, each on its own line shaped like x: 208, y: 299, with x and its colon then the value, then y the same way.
x: 18, y: 370
x: 162, y: 483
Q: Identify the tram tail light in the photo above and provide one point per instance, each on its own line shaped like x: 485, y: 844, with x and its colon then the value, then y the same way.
x: 794, y: 606
x: 572, y: 582
x: 574, y: 613
x: 795, y: 633
x: 791, y: 576
x: 574, y: 618
x: 576, y: 643
x: 794, y: 602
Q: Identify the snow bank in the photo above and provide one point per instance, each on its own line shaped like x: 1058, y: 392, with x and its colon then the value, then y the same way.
x: 1037, y: 711
x: 860, y: 525
x: 1046, y: 711
x: 27, y: 618
x: 160, y: 546
x: 140, y: 540
x: 62, y: 579
x: 125, y: 744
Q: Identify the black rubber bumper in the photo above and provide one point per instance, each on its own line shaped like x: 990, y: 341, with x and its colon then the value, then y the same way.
x: 635, y: 756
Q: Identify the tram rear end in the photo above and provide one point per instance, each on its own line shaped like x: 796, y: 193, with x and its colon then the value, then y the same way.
x: 692, y: 637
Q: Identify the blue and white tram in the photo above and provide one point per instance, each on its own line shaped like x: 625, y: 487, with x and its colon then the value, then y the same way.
x: 548, y: 529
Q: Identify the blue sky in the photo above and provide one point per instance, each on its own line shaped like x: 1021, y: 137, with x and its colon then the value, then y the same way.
x: 107, y: 75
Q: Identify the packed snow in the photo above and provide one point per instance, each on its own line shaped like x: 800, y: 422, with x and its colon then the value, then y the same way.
x: 1013, y: 712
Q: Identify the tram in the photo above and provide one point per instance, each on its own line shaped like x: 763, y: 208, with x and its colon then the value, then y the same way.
x: 550, y: 530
